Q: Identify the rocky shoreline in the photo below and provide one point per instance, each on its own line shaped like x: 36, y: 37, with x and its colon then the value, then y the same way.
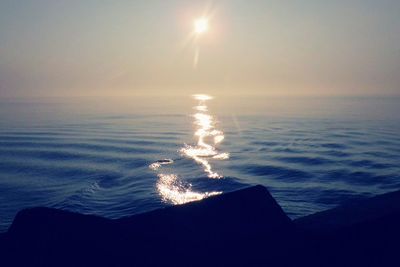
x: 242, y: 228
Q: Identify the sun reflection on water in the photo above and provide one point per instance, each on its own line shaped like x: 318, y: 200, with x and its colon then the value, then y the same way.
x: 207, y: 138
x: 173, y: 189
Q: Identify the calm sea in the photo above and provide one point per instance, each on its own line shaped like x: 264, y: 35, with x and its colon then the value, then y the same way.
x: 116, y: 158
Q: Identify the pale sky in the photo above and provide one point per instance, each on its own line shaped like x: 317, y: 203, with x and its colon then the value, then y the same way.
x: 52, y: 48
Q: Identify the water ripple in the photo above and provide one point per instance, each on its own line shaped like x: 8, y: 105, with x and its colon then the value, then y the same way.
x: 100, y: 166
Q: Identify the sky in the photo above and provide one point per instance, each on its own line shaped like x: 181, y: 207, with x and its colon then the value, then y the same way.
x: 71, y: 48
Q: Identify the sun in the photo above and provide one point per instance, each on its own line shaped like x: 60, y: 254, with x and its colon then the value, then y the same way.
x: 201, y: 25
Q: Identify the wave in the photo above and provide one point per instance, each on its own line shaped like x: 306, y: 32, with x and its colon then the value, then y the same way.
x: 101, y: 167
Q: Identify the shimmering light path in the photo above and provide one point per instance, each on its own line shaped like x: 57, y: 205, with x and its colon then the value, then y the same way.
x: 175, y: 191
x: 169, y: 186
x: 207, y: 138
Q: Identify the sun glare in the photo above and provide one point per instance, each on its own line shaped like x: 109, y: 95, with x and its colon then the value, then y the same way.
x: 201, y: 25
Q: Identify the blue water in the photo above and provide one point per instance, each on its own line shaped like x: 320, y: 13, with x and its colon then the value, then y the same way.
x: 98, y: 162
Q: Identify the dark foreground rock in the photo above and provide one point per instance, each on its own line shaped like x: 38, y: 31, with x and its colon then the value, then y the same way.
x: 242, y: 228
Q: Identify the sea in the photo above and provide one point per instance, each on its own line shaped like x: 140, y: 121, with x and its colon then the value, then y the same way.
x: 116, y: 157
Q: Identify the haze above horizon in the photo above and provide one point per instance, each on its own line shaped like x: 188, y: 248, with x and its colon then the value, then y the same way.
x: 98, y: 48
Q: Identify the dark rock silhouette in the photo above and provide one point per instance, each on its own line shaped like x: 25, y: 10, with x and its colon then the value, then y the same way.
x: 242, y: 228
